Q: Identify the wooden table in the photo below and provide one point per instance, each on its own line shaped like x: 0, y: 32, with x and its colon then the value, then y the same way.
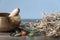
x: 5, y: 36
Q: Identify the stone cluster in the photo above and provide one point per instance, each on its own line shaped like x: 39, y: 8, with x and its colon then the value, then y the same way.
x: 49, y: 24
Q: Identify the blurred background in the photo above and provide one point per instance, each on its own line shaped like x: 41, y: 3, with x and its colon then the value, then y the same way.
x: 30, y: 9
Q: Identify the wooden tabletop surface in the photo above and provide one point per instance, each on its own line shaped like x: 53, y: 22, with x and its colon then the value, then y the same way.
x: 5, y: 36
